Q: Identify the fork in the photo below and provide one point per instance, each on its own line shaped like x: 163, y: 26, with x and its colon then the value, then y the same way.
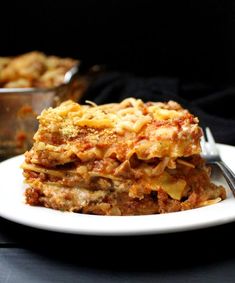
x: 211, y: 154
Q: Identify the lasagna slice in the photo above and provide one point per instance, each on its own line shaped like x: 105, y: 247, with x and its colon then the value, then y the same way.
x: 127, y: 158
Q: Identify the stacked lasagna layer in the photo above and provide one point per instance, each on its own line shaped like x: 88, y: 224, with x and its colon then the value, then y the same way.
x: 125, y: 158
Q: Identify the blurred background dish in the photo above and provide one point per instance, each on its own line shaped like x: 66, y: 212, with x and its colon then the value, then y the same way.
x: 29, y: 83
x: 34, y: 69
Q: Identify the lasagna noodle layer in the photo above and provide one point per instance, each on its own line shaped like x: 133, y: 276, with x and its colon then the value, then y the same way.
x: 106, y: 196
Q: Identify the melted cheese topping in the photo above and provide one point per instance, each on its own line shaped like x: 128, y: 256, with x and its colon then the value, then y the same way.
x: 132, y: 126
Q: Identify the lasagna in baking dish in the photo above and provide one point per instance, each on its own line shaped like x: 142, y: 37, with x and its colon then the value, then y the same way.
x: 127, y: 158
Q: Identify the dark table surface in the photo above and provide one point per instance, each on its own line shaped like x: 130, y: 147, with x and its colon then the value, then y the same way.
x: 33, y: 255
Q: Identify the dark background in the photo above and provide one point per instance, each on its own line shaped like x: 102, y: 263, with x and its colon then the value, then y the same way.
x: 154, y: 50
x: 192, y: 40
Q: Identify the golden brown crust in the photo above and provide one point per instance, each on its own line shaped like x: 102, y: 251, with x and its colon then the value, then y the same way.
x: 131, y: 127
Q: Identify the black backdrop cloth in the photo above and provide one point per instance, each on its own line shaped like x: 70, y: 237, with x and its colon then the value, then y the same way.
x: 214, y: 107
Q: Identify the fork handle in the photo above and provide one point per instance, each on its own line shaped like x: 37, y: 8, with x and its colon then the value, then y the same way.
x: 228, y: 174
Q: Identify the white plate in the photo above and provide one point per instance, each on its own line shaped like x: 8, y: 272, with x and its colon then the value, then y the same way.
x: 13, y: 207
